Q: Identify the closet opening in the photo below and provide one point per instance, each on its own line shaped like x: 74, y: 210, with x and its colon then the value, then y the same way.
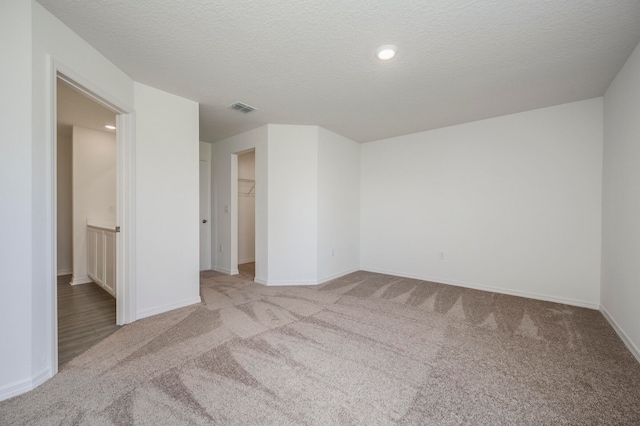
x: 247, y: 214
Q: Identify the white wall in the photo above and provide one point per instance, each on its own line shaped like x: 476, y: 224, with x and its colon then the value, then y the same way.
x: 246, y: 208
x: 289, y: 166
x: 293, y: 204
x: 94, y: 190
x: 30, y: 36
x: 51, y: 40
x: 16, y: 283
x: 513, y: 202
x: 167, y: 214
x: 338, y: 205
x: 205, y: 151
x: 33, y: 38
x: 64, y: 227
x: 620, y: 290
x: 224, y: 163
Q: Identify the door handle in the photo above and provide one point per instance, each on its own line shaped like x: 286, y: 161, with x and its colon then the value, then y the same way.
x: 204, y: 220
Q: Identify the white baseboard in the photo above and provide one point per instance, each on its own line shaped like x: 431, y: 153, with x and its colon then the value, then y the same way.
x: 65, y: 272
x: 42, y: 377
x: 25, y: 385
x: 529, y: 295
x: 627, y: 341
x: 83, y: 280
x: 223, y: 270
x: 338, y: 275
x: 273, y: 283
x: 242, y: 262
x: 166, y: 308
x: 226, y: 271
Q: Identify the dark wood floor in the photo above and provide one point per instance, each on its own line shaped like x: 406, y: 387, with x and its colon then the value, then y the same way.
x: 247, y: 270
x: 86, y: 315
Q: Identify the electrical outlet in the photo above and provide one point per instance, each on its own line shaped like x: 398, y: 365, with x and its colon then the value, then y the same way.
x: 221, y: 250
x: 333, y: 252
x: 441, y: 255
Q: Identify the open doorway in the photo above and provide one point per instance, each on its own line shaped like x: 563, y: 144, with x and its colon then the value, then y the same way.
x: 121, y: 243
x: 247, y: 214
x: 86, y: 221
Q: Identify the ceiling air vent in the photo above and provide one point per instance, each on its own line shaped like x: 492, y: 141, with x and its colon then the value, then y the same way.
x: 239, y: 106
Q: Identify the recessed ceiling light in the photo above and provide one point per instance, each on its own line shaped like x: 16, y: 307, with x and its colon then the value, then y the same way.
x: 110, y: 127
x: 386, y: 52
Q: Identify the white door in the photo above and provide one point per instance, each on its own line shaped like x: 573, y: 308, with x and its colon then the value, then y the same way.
x: 205, y: 215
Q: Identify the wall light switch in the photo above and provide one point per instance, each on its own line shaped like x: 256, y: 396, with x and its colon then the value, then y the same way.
x: 226, y: 209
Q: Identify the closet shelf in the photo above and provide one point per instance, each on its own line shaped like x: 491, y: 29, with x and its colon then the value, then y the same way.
x: 246, y: 187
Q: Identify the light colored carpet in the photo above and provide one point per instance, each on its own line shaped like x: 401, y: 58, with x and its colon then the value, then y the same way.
x: 364, y: 349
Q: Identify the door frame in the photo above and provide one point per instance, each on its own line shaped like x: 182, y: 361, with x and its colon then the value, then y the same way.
x: 207, y: 243
x: 125, y: 197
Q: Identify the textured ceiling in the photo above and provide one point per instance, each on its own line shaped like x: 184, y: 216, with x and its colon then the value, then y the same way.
x: 312, y: 61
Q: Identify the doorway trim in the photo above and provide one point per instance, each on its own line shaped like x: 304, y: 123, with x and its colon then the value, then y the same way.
x: 125, y: 198
x: 233, y: 246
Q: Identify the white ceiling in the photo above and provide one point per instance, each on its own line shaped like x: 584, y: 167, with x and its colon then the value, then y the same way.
x: 76, y: 109
x: 312, y: 61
